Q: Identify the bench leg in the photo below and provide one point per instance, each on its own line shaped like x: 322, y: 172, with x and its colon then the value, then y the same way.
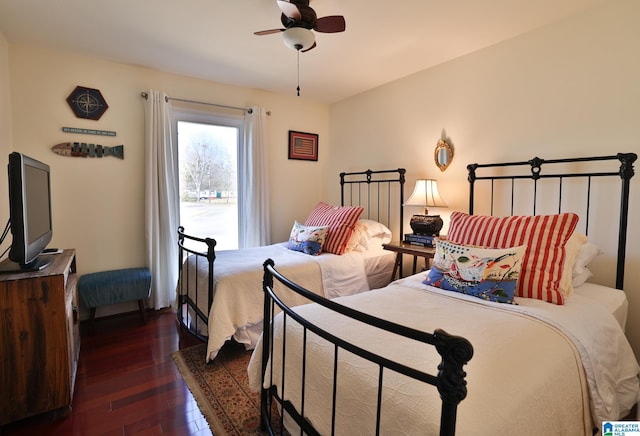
x: 143, y: 312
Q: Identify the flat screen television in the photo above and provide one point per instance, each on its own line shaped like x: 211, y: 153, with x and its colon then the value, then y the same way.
x: 29, y: 213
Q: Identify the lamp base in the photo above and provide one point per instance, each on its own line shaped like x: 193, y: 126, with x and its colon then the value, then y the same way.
x: 426, y: 224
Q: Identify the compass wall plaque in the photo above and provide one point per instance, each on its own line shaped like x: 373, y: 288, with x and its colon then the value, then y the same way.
x: 87, y: 103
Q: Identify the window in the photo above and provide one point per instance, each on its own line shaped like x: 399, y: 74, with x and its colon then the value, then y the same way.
x: 208, y: 164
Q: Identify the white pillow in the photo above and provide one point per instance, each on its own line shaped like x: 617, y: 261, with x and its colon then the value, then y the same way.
x: 368, y: 234
x: 579, y: 279
x: 375, y: 242
x: 571, y: 249
x: 586, y: 254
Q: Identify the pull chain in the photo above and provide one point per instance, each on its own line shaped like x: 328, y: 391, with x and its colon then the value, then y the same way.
x: 298, y: 88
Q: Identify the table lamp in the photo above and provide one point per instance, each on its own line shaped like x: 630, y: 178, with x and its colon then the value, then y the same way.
x: 426, y: 194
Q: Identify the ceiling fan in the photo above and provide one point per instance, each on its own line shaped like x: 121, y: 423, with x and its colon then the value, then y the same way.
x: 299, y: 19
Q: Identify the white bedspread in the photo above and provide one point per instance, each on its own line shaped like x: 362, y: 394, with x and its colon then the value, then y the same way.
x: 537, y: 368
x: 238, y: 298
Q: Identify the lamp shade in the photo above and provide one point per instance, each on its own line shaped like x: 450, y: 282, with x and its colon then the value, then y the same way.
x: 425, y: 194
x: 298, y: 38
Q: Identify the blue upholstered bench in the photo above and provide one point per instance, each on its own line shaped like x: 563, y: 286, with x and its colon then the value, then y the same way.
x: 113, y: 287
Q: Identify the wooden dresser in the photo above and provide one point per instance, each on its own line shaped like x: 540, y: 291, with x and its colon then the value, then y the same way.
x: 39, y: 339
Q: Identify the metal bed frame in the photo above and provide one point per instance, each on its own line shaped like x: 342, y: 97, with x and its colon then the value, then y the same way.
x: 199, y: 323
x: 364, y: 185
x: 455, y: 351
x: 380, y: 193
x: 625, y: 172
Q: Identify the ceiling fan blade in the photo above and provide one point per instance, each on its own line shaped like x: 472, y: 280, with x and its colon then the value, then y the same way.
x: 330, y: 24
x: 313, y: 46
x: 268, y: 32
x: 289, y: 9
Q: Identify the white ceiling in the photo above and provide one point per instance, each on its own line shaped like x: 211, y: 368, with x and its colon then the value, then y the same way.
x: 213, y: 39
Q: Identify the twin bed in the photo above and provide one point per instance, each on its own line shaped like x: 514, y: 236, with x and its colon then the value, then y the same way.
x: 555, y: 362
x: 219, y: 293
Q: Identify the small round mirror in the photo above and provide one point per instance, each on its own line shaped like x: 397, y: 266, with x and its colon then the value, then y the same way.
x: 443, y: 154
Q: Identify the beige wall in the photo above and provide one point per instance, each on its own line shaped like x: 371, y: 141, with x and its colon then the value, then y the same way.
x: 570, y: 89
x: 98, y: 203
x: 5, y: 131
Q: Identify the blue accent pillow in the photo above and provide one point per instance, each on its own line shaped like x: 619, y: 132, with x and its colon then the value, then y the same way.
x: 488, y: 273
x: 307, y: 239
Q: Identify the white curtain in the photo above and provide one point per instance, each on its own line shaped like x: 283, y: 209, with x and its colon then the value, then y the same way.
x: 253, y: 204
x: 162, y: 205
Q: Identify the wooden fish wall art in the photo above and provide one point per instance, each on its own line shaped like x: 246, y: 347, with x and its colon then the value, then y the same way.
x: 81, y: 149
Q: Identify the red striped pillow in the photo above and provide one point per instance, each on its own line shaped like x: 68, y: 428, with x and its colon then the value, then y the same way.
x: 544, y: 235
x: 341, y: 221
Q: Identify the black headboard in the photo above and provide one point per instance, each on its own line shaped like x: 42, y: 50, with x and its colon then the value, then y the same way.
x: 380, y: 193
x: 559, y: 171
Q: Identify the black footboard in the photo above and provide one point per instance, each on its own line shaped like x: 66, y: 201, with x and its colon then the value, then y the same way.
x: 192, y: 253
x: 450, y: 379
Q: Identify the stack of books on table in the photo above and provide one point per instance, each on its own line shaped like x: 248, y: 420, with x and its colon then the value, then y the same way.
x: 420, y: 240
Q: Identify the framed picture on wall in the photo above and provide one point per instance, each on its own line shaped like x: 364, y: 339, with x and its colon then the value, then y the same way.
x: 303, y: 146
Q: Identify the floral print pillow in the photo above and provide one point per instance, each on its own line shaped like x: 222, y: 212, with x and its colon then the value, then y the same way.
x: 307, y: 239
x: 488, y: 273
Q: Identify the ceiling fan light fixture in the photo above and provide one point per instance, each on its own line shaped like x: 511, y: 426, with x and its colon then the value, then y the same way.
x: 298, y: 38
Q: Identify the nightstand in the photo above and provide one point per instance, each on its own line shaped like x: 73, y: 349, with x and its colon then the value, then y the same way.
x: 416, y: 251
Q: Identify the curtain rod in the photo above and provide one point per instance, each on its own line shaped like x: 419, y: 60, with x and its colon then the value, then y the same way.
x: 249, y: 110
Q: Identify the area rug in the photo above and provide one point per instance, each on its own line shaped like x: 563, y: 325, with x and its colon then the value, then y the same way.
x: 221, y: 388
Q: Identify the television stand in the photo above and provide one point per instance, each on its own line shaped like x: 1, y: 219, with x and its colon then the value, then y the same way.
x: 40, y: 340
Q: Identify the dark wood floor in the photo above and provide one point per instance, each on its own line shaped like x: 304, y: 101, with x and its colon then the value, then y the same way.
x: 126, y: 383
